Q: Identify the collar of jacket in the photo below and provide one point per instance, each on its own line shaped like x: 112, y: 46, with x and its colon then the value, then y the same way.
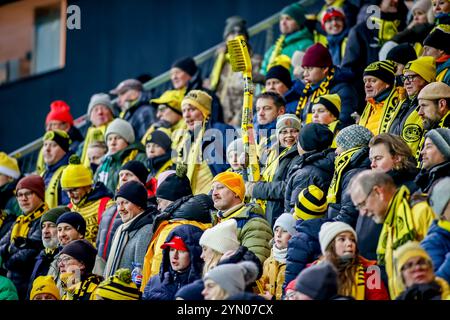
x: 231, y: 211
x: 122, y: 154
x: 297, y: 36
x: 379, y: 98
x: 154, y: 164
x: 63, y: 161
x: 142, y: 219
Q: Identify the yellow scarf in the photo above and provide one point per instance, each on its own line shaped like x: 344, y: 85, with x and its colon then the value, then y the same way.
x: 398, y: 228
x: 386, y: 29
x: 217, y: 70
x: 272, y: 162
x: 307, y: 96
x: 22, y: 225
x: 93, y: 134
x: 276, y: 51
x: 359, y: 287
x: 340, y: 163
x: 51, y: 192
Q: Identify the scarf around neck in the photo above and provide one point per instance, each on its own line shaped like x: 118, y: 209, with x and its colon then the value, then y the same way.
x: 279, y: 254
x: 23, y: 222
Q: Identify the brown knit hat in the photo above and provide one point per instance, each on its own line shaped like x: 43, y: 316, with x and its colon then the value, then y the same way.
x: 34, y: 183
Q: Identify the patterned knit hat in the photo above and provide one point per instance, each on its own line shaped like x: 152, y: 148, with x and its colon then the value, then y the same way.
x: 424, y: 67
x: 287, y: 121
x: 353, y: 136
x: 311, y: 203
x: 383, y: 70
x: 60, y: 137
x: 9, y: 166
x: 59, y: 111
x: 118, y: 287
x: 76, y: 175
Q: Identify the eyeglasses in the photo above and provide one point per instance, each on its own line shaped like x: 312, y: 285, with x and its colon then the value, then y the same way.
x: 25, y: 194
x: 362, y: 204
x: 410, y: 78
x: 64, y: 259
x: 72, y: 190
x: 422, y: 263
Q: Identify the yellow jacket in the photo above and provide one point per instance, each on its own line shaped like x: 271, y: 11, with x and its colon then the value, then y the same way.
x: 273, y: 277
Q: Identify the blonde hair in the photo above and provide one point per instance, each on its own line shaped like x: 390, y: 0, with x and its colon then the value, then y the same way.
x: 208, y: 265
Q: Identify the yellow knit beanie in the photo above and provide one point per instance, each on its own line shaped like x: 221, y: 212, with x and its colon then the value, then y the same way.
x: 9, y: 166
x: 232, y: 181
x: 75, y: 174
x: 424, y: 67
x: 409, y: 250
x: 199, y: 99
x: 44, y: 284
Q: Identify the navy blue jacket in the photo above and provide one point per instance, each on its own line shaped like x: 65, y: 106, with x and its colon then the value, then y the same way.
x: 63, y: 198
x: 168, y: 282
x: 437, y: 245
x: 141, y: 115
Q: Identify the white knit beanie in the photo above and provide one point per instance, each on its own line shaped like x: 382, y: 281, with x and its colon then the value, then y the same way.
x: 287, y: 222
x: 330, y: 230
x: 122, y: 128
x: 222, y: 237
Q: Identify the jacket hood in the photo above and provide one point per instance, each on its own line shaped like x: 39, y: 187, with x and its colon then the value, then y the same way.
x: 323, y: 160
x: 196, y: 208
x: 191, y: 237
x: 426, y: 178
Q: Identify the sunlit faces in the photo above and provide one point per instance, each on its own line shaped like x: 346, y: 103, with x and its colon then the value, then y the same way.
x: 192, y: 116
x: 314, y: 75
x: 28, y: 200
x: 417, y: 270
x: 381, y: 159
x: 179, y: 259
x: 179, y: 78
x: 288, y: 137
x: 100, y: 115
x: 320, y: 114
x: 334, y: 25
x: 373, y: 86
x: 67, y: 233
x: 223, y: 197
x: 431, y: 155
x: 115, y: 143
x: 281, y: 238
x: 127, y: 209
x: 267, y: 111
x: 52, y: 152
x: 287, y: 24
x: 345, y: 244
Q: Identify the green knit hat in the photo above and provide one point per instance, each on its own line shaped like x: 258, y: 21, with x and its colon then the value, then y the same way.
x: 296, y: 12
x: 53, y: 214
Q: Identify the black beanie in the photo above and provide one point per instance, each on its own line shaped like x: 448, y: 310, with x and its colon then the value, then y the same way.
x: 319, y: 282
x: 60, y: 137
x: 83, y: 251
x: 138, y: 169
x: 438, y: 39
x: 175, y: 186
x: 383, y: 70
x: 402, y: 53
x: 134, y: 192
x: 161, y: 139
x: 75, y: 219
x: 280, y: 73
x: 315, y: 137
x: 187, y: 64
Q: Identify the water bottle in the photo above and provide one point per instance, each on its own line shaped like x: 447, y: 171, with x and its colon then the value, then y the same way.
x: 136, y: 274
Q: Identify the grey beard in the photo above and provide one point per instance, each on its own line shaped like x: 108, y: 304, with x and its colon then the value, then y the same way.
x: 50, y: 244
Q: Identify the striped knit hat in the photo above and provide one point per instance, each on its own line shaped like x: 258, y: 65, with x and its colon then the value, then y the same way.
x: 383, y: 70
x: 311, y: 203
x: 118, y: 287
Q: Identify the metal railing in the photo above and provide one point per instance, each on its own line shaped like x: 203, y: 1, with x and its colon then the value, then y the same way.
x: 261, y: 37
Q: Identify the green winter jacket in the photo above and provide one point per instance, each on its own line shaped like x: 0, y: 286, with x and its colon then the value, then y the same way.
x: 299, y: 40
x: 7, y: 289
x: 254, y: 231
x: 108, y: 171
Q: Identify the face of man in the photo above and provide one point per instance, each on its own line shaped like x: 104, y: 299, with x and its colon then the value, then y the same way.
x: 314, y: 75
x: 163, y: 204
x: 275, y: 85
x: 373, y: 86
x: 57, y: 125
x: 223, y: 197
x: 432, y: 52
x: 126, y: 97
x: 288, y: 25
x: 67, y: 263
x: 52, y: 152
x: 49, y: 235
x: 192, y: 116
x: 381, y: 159
x: 180, y: 78
x: 125, y: 176
x: 100, y: 115
x: 431, y: 155
x: 154, y: 150
x: 28, y: 200
x: 167, y: 114
x: 429, y: 113
x: 334, y: 26
x: 179, y: 259
x: 322, y: 115
x: 4, y: 180
x: 413, y: 83
x: 115, y: 143
x: 417, y: 270
x: 127, y: 209
x: 95, y: 154
x: 373, y: 205
x: 288, y: 137
x: 67, y: 233
x: 267, y: 111
x: 77, y: 194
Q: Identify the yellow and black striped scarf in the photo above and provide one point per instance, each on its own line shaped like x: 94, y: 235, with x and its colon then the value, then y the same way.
x: 307, y: 95
x: 276, y: 51
x: 21, y: 227
x: 398, y: 228
x: 359, y: 287
x: 340, y: 163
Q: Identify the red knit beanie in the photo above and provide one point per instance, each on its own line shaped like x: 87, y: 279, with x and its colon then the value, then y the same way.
x: 60, y: 111
x: 34, y: 183
x: 317, y: 56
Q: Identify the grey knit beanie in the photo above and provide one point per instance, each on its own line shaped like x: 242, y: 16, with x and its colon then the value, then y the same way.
x: 353, y: 136
x: 121, y: 127
x: 100, y: 98
x: 287, y: 121
x: 233, y: 278
x: 441, y: 139
x: 237, y: 146
x: 287, y: 222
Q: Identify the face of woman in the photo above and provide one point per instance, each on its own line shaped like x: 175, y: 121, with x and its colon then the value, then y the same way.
x: 212, y: 291
x: 281, y: 238
x: 345, y: 244
x: 417, y: 270
x: 207, y: 254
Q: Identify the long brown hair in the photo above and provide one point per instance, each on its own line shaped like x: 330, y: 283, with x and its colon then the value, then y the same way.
x: 396, y: 147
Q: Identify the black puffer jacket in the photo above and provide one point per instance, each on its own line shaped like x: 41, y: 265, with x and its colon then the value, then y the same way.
x: 315, y: 168
x: 426, y: 179
x: 344, y: 210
